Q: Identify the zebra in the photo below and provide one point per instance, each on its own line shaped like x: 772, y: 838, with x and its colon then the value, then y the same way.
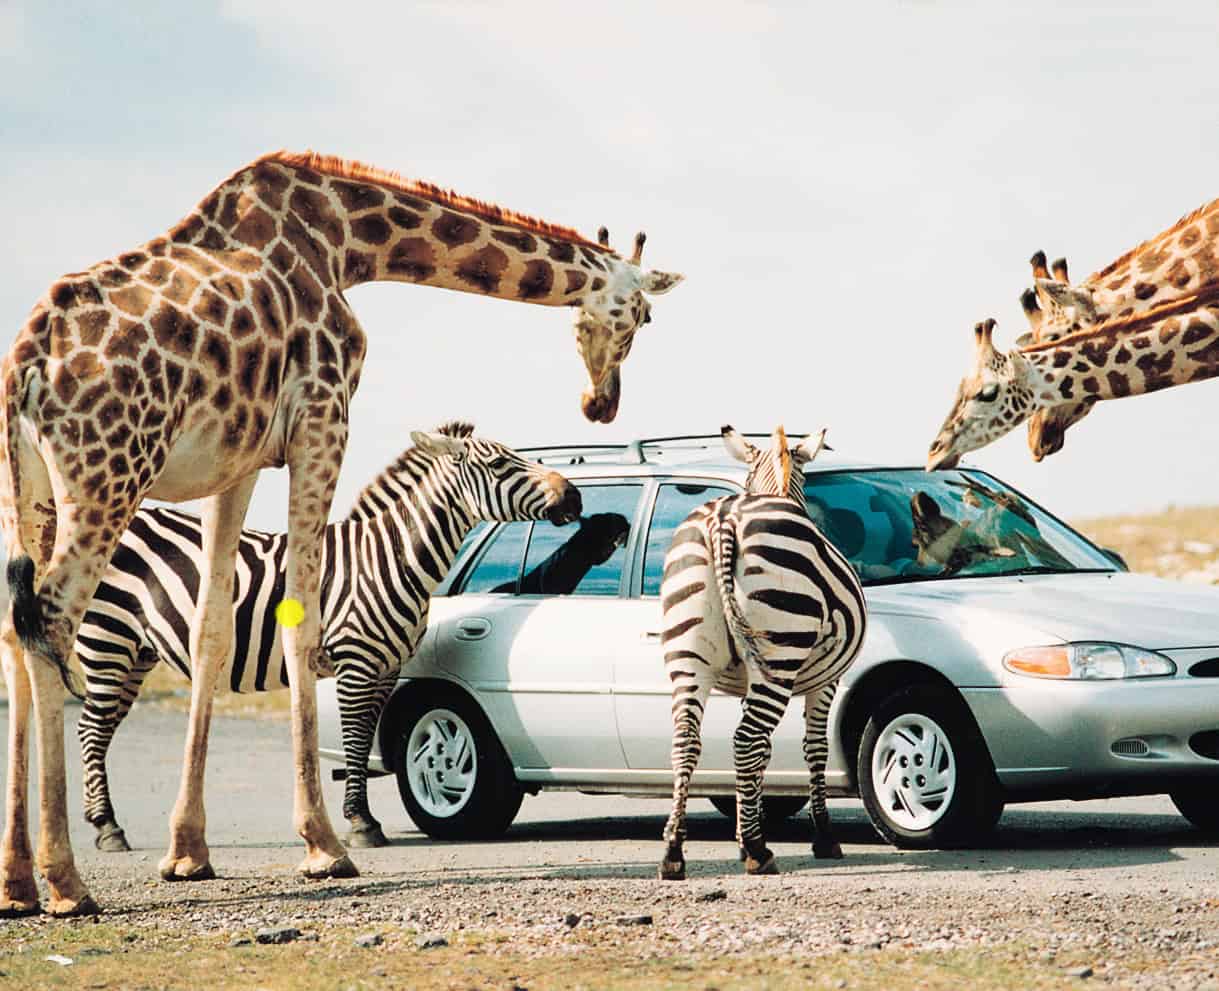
x: 379, y: 567
x: 757, y: 603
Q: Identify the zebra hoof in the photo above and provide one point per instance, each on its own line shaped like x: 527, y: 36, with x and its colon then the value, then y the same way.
x: 110, y: 838
x: 672, y: 870
x: 766, y: 865
x: 827, y: 850
x: 367, y: 837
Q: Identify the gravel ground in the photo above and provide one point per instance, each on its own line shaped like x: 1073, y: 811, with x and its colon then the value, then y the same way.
x: 1122, y: 889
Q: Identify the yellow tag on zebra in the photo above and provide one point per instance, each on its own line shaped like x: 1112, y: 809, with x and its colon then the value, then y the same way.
x: 290, y: 612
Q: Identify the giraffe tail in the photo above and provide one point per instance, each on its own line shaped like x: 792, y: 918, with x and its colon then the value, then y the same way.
x: 29, y: 618
x: 723, y: 555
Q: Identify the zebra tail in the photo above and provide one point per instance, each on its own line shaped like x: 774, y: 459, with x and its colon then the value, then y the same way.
x: 723, y: 552
x: 29, y: 618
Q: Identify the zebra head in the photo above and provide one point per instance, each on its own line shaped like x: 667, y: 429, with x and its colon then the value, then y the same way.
x: 778, y: 471
x: 496, y: 483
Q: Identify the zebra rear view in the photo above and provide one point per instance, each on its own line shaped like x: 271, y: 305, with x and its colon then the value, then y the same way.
x: 759, y: 604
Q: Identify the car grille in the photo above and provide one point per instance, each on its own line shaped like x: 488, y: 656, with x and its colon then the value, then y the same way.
x: 1205, y: 669
x: 1205, y: 744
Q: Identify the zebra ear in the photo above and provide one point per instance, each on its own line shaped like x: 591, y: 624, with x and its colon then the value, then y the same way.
x: 737, y: 445
x: 439, y: 444
x: 812, y: 445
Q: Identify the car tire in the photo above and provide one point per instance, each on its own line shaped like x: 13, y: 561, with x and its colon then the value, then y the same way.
x: 774, y: 808
x: 1196, y: 801
x: 453, y: 775
x: 929, y: 729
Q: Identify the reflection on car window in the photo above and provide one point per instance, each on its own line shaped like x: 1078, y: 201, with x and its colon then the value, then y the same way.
x: 904, y: 525
x: 583, y: 558
x: 674, y: 502
x: 499, y: 569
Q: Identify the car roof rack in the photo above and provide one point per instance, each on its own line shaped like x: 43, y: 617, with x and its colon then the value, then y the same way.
x: 646, y: 450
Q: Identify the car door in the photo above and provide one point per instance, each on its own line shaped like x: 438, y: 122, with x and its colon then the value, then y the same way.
x: 535, y: 627
x: 642, y: 700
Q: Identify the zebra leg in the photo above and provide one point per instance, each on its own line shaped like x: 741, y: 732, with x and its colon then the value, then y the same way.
x: 761, y: 711
x: 816, y: 752
x: 211, y: 648
x: 362, y: 696
x: 109, y: 698
x: 690, y: 690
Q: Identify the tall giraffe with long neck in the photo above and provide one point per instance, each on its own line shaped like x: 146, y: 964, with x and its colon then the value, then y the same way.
x: 1175, y: 344
x: 1181, y: 262
x: 179, y: 369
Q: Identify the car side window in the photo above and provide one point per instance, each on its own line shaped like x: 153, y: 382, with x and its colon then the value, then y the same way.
x: 586, y: 557
x: 674, y: 501
x: 499, y: 568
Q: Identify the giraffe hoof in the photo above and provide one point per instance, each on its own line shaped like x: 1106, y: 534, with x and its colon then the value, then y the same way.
x: 766, y: 865
x: 367, y: 837
x: 18, y: 908
x: 827, y: 850
x: 339, y: 867
x: 672, y: 870
x: 171, y: 872
x: 65, y: 908
x: 110, y: 838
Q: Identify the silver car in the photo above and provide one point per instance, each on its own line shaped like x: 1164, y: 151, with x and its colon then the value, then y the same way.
x: 1007, y: 658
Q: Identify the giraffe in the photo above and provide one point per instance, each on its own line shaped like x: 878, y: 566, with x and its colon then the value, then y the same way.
x: 1178, y: 263
x: 1173, y: 344
x: 177, y: 370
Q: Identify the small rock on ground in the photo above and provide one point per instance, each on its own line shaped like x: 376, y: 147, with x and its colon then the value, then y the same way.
x: 283, y: 934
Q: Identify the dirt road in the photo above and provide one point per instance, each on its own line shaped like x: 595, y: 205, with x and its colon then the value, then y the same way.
x: 1124, y: 888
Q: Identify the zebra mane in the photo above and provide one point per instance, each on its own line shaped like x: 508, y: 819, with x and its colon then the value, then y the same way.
x: 381, y: 492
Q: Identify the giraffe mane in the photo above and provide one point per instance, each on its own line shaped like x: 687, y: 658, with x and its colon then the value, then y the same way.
x: 346, y: 168
x: 1152, y: 242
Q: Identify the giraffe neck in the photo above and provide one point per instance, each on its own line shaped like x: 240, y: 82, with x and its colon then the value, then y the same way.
x: 1171, y: 345
x: 349, y: 224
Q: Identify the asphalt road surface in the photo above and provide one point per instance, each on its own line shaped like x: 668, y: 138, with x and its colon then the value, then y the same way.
x: 1133, y: 844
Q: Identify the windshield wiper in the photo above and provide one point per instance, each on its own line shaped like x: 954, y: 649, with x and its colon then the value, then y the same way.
x: 1047, y: 569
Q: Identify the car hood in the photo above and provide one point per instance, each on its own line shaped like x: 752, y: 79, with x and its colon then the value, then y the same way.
x: 1119, y: 607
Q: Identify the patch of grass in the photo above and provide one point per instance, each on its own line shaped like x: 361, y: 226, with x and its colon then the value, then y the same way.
x: 105, y: 956
x: 1179, y: 542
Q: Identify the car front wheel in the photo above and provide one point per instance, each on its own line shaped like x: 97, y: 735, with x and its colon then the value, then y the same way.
x: 1196, y: 801
x: 924, y: 772
x: 453, y: 776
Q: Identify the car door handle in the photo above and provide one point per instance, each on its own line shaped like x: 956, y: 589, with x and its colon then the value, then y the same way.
x: 473, y: 628
x: 652, y: 636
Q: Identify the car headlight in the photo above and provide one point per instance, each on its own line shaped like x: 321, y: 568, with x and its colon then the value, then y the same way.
x: 1088, y: 662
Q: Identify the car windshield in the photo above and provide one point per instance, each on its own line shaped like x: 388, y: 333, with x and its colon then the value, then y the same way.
x: 910, y: 525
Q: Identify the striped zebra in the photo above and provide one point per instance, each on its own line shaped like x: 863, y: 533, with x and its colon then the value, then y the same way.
x: 379, y: 567
x: 757, y: 603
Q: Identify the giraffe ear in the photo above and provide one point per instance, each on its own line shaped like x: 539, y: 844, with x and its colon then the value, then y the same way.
x: 1025, y: 341
x: 1059, y: 296
x: 654, y: 283
x: 736, y: 445
x: 440, y: 444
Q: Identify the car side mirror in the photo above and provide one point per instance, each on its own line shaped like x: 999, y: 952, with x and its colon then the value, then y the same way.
x: 1116, y: 558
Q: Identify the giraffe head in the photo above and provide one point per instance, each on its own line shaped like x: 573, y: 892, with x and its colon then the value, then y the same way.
x: 995, y: 397
x: 1054, y: 309
x: 495, y: 482
x: 606, y: 321
x: 779, y: 471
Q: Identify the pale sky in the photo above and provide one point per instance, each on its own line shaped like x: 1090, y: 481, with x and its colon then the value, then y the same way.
x: 848, y: 188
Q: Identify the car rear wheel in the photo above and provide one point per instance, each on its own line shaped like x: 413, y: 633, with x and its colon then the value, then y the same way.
x: 1196, y: 801
x: 924, y: 772
x: 453, y: 775
x: 774, y: 808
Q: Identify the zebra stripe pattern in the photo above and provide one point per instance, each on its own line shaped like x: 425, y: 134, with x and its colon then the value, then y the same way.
x: 379, y: 568
x: 759, y: 604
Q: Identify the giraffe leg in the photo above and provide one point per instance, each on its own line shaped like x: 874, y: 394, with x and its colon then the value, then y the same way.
x: 361, y: 699
x: 691, y: 686
x: 761, y: 711
x: 111, y: 691
x: 816, y: 753
x: 211, y: 647
x: 313, y: 472
x: 19, y: 894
